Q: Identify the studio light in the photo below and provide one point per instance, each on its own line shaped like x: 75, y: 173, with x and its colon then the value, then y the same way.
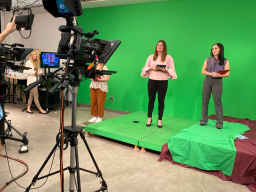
x: 24, y: 22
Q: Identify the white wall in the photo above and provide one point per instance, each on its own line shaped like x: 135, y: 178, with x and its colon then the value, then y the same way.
x: 45, y: 34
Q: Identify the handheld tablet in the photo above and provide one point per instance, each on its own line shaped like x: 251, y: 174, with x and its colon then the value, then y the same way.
x: 162, y: 66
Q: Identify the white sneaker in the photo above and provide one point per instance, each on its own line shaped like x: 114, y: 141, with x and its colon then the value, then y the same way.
x: 98, y: 120
x: 93, y: 120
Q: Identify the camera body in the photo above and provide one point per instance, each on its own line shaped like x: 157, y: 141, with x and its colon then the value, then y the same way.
x: 11, y: 53
x: 72, y: 36
x: 82, y: 49
x: 75, y: 44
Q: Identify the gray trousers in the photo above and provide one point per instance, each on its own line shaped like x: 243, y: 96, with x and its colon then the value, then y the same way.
x: 214, y: 86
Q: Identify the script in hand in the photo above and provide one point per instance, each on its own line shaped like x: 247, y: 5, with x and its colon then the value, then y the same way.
x: 222, y: 72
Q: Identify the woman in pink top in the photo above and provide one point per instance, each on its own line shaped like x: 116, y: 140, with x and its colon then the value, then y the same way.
x: 159, y: 68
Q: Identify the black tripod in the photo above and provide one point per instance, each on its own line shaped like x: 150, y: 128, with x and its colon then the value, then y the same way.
x: 70, y: 136
x: 73, y: 46
x: 8, y: 134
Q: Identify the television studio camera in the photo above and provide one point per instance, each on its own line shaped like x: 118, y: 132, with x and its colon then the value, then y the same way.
x: 9, y: 54
x: 73, y: 46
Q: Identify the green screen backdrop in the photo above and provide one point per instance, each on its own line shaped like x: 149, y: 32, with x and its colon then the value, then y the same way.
x: 190, y: 28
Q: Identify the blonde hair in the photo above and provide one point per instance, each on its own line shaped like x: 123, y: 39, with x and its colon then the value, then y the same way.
x: 36, y: 61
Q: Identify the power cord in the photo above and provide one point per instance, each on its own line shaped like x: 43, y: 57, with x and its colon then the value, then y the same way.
x: 106, y: 103
x: 131, y: 108
x: 33, y: 3
x: 19, y: 176
x: 14, y: 179
x: 28, y: 36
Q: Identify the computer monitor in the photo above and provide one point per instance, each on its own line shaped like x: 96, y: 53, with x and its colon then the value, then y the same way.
x: 49, y: 60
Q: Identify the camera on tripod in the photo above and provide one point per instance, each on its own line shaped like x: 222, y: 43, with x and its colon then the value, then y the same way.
x: 11, y: 53
x: 8, y: 55
x: 82, y: 50
x: 73, y: 45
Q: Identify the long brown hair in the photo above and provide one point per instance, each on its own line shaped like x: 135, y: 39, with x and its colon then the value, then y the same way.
x: 221, y: 57
x: 164, y: 51
x: 36, y: 61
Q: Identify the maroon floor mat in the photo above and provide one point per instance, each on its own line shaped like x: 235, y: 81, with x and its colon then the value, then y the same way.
x: 244, y: 171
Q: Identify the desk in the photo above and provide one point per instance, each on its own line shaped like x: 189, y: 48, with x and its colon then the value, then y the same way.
x: 9, y: 89
x: 47, y: 100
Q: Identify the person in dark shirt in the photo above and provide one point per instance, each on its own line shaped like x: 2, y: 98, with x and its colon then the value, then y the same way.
x: 213, y: 83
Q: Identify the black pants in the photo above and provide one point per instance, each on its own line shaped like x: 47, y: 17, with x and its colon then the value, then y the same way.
x: 214, y: 86
x: 159, y: 86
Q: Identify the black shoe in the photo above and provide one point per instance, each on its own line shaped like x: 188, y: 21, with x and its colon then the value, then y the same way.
x: 159, y: 126
x: 42, y: 112
x: 203, y: 123
x: 29, y: 112
x: 219, y: 125
x: 149, y: 124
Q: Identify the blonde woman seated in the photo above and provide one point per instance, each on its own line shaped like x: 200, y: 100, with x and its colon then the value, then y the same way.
x: 33, y: 74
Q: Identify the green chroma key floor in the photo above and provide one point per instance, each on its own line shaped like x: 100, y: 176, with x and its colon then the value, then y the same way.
x: 123, y: 129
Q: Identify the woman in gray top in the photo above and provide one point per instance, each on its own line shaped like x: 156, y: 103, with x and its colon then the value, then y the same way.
x: 213, y: 83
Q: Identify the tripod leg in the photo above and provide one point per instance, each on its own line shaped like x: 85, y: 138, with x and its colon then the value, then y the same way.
x: 8, y: 131
x: 72, y: 169
x: 11, y: 127
x: 77, y: 169
x: 40, y: 170
x: 104, y: 184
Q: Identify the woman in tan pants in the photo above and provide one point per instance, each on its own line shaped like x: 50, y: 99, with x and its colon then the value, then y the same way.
x: 33, y: 74
x: 98, y: 93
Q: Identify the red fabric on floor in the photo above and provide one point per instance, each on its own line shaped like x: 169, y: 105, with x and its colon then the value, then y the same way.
x: 244, y: 170
x: 250, y: 123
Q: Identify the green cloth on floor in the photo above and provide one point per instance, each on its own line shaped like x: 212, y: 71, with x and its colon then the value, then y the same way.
x: 206, y: 147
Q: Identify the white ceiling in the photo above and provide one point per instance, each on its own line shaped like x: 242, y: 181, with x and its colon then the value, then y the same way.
x: 88, y: 4
x: 105, y: 3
